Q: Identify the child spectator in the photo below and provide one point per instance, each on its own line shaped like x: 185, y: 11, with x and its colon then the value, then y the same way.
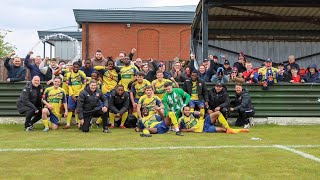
x: 250, y: 75
x: 293, y: 77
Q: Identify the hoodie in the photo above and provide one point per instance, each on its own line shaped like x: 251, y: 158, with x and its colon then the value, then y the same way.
x: 220, y: 99
x: 315, y: 78
x: 216, y: 79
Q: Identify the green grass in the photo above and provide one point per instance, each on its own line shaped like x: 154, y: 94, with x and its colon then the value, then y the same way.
x: 228, y: 163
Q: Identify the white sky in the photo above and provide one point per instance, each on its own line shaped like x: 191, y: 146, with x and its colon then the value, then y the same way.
x: 25, y: 17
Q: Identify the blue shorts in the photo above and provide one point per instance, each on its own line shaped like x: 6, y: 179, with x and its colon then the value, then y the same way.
x: 136, y: 100
x: 100, y: 104
x: 71, y: 104
x: 208, y: 127
x: 194, y: 103
x: 162, y: 128
x: 53, y: 118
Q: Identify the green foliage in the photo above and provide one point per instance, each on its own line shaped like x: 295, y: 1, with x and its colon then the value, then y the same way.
x: 5, y: 47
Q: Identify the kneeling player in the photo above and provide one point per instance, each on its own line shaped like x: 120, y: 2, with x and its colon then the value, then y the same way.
x: 153, y: 124
x: 53, y: 98
x: 195, y: 122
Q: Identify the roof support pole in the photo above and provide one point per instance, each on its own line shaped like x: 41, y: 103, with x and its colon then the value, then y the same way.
x: 204, y: 24
x: 44, y: 50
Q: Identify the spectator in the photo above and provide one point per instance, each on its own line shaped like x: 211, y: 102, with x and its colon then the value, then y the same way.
x: 214, y: 63
x: 219, y: 100
x: 198, y: 91
x: 240, y: 65
x: 88, y: 107
x: 98, y: 59
x: 292, y: 63
x: 87, y: 68
x: 186, y: 73
x: 220, y: 77
x: 138, y: 63
x: 15, y: 71
x: 48, y: 71
x: 312, y: 76
x: 150, y: 73
x: 118, y: 106
x: 244, y: 107
x: 177, y: 72
x: 227, y: 68
x: 184, y: 64
x: 293, y: 77
x: 122, y: 55
x: 281, y: 70
x: 29, y: 102
x: 268, y: 74
x: 205, y: 71
x: 250, y: 75
x: 236, y: 77
x: 34, y: 68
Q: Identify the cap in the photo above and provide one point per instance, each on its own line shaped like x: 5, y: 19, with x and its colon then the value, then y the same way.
x: 219, y: 84
x: 205, y: 60
x: 268, y: 60
x: 160, y: 64
x: 226, y: 61
x: 234, y: 69
x: 280, y: 64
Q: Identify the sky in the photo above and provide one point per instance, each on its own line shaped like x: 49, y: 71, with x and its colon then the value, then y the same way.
x: 21, y: 19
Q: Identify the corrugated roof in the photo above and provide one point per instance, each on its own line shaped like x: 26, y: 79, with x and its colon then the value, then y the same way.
x: 74, y: 34
x: 166, y: 15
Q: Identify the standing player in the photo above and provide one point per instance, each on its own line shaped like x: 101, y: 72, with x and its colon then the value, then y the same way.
x: 76, y: 81
x: 174, y: 100
x: 53, y: 98
x: 127, y: 73
x: 158, y: 84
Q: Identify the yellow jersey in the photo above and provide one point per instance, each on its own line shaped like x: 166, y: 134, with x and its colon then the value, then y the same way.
x: 127, y: 74
x: 138, y: 88
x: 110, y: 78
x: 76, y: 82
x: 158, y: 87
x: 149, y: 103
x: 55, y: 97
x: 150, y: 121
x: 194, y: 94
x: 193, y: 121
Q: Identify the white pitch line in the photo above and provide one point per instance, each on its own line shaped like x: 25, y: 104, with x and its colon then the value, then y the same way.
x: 305, y: 155
x: 142, y: 148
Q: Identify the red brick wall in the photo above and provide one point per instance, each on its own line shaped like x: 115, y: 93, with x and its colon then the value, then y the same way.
x: 158, y: 41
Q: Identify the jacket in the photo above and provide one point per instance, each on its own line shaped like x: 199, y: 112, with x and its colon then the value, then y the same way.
x: 275, y: 76
x: 246, y: 75
x: 151, y: 74
x: 30, y: 98
x: 34, y: 69
x: 243, y: 101
x: 241, y: 68
x: 88, y: 101
x: 220, y: 99
x: 201, y: 86
x: 206, y: 76
x: 315, y: 78
x: 15, y: 73
x: 119, y: 104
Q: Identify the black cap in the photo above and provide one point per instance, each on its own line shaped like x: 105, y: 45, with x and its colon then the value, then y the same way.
x: 219, y: 84
x: 280, y: 64
x: 226, y: 62
x: 205, y: 60
x: 268, y: 60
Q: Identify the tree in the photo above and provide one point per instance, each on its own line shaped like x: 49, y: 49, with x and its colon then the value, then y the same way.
x: 5, y: 47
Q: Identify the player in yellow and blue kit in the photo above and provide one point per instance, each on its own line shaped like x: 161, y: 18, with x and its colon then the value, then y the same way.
x: 158, y: 84
x: 76, y: 81
x: 150, y: 101
x: 127, y: 73
x: 137, y: 90
x: 52, y: 99
x: 153, y: 124
x: 195, y: 122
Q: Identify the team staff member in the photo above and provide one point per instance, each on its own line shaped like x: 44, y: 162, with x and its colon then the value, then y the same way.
x: 29, y: 102
x: 88, y: 106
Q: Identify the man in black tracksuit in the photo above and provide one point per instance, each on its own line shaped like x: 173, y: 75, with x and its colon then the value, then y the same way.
x: 219, y: 100
x: 118, y: 105
x: 88, y: 106
x: 29, y: 102
x: 243, y: 106
x: 198, y: 91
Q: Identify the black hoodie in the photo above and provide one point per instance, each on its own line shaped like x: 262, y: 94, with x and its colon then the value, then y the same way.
x: 88, y: 101
x: 220, y: 99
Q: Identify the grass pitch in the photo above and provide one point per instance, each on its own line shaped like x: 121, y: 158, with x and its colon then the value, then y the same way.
x: 120, y: 155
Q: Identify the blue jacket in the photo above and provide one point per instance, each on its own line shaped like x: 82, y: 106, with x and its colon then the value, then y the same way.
x: 206, y: 76
x: 88, y: 72
x: 15, y: 73
x: 315, y: 78
x: 34, y: 69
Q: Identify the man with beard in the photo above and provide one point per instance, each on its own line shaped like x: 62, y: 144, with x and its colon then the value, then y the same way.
x: 29, y: 102
x: 219, y: 100
x: 98, y: 59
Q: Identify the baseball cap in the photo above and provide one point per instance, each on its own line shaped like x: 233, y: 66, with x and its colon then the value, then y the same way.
x: 268, y: 60
x: 219, y: 84
x: 205, y: 60
x: 280, y: 64
x: 226, y: 61
x: 234, y: 69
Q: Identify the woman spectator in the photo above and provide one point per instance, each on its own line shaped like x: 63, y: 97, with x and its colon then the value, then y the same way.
x: 186, y: 73
x: 236, y: 77
x: 312, y: 76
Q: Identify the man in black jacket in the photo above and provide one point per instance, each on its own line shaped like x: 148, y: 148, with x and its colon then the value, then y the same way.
x: 219, y: 100
x: 88, y: 106
x: 118, y: 105
x: 244, y: 107
x: 15, y: 71
x: 198, y: 91
x: 29, y: 102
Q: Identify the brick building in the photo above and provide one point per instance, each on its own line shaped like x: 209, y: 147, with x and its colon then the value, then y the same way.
x: 161, y: 33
